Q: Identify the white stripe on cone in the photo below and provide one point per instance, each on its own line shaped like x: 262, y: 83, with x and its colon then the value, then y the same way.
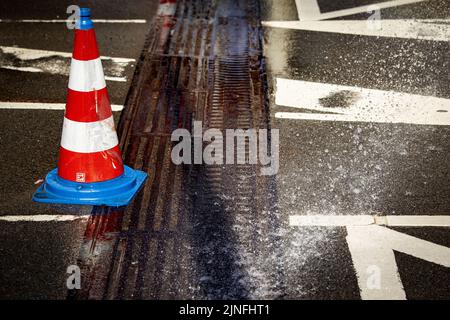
x: 86, y: 76
x: 89, y: 137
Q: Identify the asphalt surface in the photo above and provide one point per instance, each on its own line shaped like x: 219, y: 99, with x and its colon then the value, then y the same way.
x: 196, y: 231
x: 353, y: 168
x: 35, y: 255
x: 226, y: 232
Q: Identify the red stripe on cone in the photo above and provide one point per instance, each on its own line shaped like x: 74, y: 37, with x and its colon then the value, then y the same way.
x: 85, y: 45
x: 88, y: 106
x: 90, y: 167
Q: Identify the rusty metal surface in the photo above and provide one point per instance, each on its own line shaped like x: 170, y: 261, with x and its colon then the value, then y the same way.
x: 194, y: 231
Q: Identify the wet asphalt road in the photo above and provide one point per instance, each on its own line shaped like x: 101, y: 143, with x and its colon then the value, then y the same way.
x: 190, y: 235
x: 353, y: 168
x: 35, y: 255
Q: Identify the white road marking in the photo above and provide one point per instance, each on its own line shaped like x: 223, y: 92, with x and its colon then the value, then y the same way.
x: 367, y: 252
x: 56, y: 62
x: 43, y: 106
x: 308, y: 10
x: 116, y: 79
x: 328, y: 221
x: 65, y: 21
x: 24, y: 69
x: 374, y: 246
x: 418, y: 221
x: 31, y: 54
x: 358, y: 104
x: 426, y: 29
x: 43, y: 218
x: 366, y: 220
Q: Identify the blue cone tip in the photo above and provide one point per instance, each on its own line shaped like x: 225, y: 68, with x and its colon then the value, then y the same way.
x: 114, y: 193
x: 85, y: 22
x: 85, y: 12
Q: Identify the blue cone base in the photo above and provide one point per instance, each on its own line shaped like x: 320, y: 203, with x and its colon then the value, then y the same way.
x: 114, y: 193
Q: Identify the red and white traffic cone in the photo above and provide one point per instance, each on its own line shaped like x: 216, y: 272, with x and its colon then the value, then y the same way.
x: 90, y: 168
x: 166, y: 12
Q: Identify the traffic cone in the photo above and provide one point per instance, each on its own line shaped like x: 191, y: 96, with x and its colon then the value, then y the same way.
x: 166, y: 12
x: 90, y: 168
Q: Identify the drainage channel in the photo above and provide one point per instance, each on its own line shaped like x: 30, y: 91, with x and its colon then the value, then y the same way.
x: 194, y: 231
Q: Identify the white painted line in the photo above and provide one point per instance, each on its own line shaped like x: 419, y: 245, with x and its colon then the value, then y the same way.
x: 361, y: 9
x: 65, y: 21
x: 366, y: 220
x: 372, y: 247
x: 56, y: 62
x: 89, y: 137
x: 428, y: 29
x: 437, y: 121
x: 116, y: 79
x: 372, y: 251
x: 24, y: 69
x: 418, y: 221
x: 308, y: 10
x: 43, y: 218
x: 376, y: 256
x: 330, y: 221
x: 32, y: 54
x: 43, y: 106
x: 358, y: 104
